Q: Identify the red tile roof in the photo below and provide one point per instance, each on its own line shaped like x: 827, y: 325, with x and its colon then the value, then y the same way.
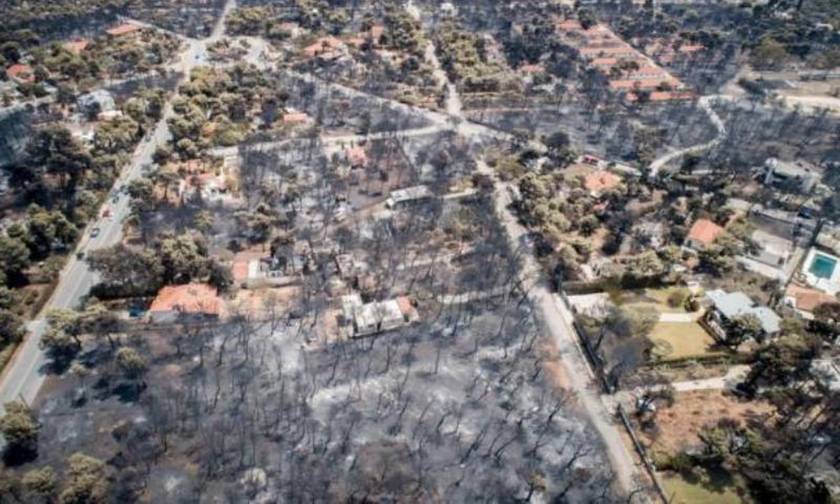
x: 406, y: 307
x: 531, y: 68
x: 76, y: 46
x: 640, y: 83
x: 196, y: 298
x: 323, y: 45
x: 808, y: 299
x: 601, y: 180
x: 20, y: 73
x: 691, y: 48
x: 376, y: 32
x: 704, y: 231
x: 123, y: 29
x: 295, y: 117
x: 356, y: 155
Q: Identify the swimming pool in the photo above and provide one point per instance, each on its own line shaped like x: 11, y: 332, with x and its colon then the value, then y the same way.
x: 822, y: 266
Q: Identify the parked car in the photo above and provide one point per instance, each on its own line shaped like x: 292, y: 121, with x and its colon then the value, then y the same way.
x: 94, y: 232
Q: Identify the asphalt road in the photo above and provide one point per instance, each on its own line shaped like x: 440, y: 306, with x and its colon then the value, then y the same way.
x: 24, y: 375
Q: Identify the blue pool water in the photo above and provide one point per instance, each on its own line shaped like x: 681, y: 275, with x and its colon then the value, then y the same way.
x: 822, y: 266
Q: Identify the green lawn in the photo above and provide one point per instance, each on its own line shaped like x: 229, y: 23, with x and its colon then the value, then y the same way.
x: 718, y: 489
x: 674, y: 340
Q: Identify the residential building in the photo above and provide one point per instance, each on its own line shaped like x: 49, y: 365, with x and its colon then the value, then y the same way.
x: 725, y: 307
x: 702, y: 234
x: 96, y: 102
x: 109, y: 115
x: 293, y: 117
x: 209, y: 187
x: 377, y: 316
x: 356, y: 156
x: 796, y: 226
x: 195, y: 300
x: 829, y: 237
x: 600, y: 181
x: 790, y: 175
x: 123, y: 30
x: 805, y: 300
x: 408, y: 195
x: 76, y: 46
x: 532, y: 68
x: 326, y: 48
x: 772, y: 250
x: 348, y: 267
x: 20, y: 73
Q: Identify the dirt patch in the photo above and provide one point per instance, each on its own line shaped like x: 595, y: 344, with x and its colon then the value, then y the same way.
x: 553, y: 367
x: 680, y: 424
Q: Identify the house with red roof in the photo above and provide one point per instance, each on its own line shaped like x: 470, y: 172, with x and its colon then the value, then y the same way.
x: 805, y: 300
x: 599, y: 181
x: 76, y: 47
x: 20, y: 73
x: 196, y: 300
x: 702, y: 234
x: 123, y: 30
x: 356, y: 156
x: 325, y: 48
x: 293, y: 117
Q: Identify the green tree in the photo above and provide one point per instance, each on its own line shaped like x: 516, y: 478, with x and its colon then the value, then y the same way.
x: 259, y: 223
x: 20, y: 430
x: 184, y: 258
x: 781, y: 363
x: 98, y: 320
x: 127, y: 271
x: 14, y: 258
x: 40, y: 483
x: 132, y: 365
x: 743, y: 328
x: 55, y: 150
x: 162, y: 154
x: 117, y: 135
x: 63, y: 335
x: 49, y: 231
x: 769, y: 54
x: 827, y: 320
x: 220, y: 276
x: 87, y: 482
x: 11, y: 327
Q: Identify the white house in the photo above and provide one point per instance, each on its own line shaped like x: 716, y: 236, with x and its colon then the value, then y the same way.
x: 727, y: 306
x: 376, y: 316
x: 791, y: 174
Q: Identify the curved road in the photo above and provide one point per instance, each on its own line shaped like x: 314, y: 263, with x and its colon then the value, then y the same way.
x: 705, y: 104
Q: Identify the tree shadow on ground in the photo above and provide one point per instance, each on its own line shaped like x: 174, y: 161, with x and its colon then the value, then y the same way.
x: 14, y: 456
